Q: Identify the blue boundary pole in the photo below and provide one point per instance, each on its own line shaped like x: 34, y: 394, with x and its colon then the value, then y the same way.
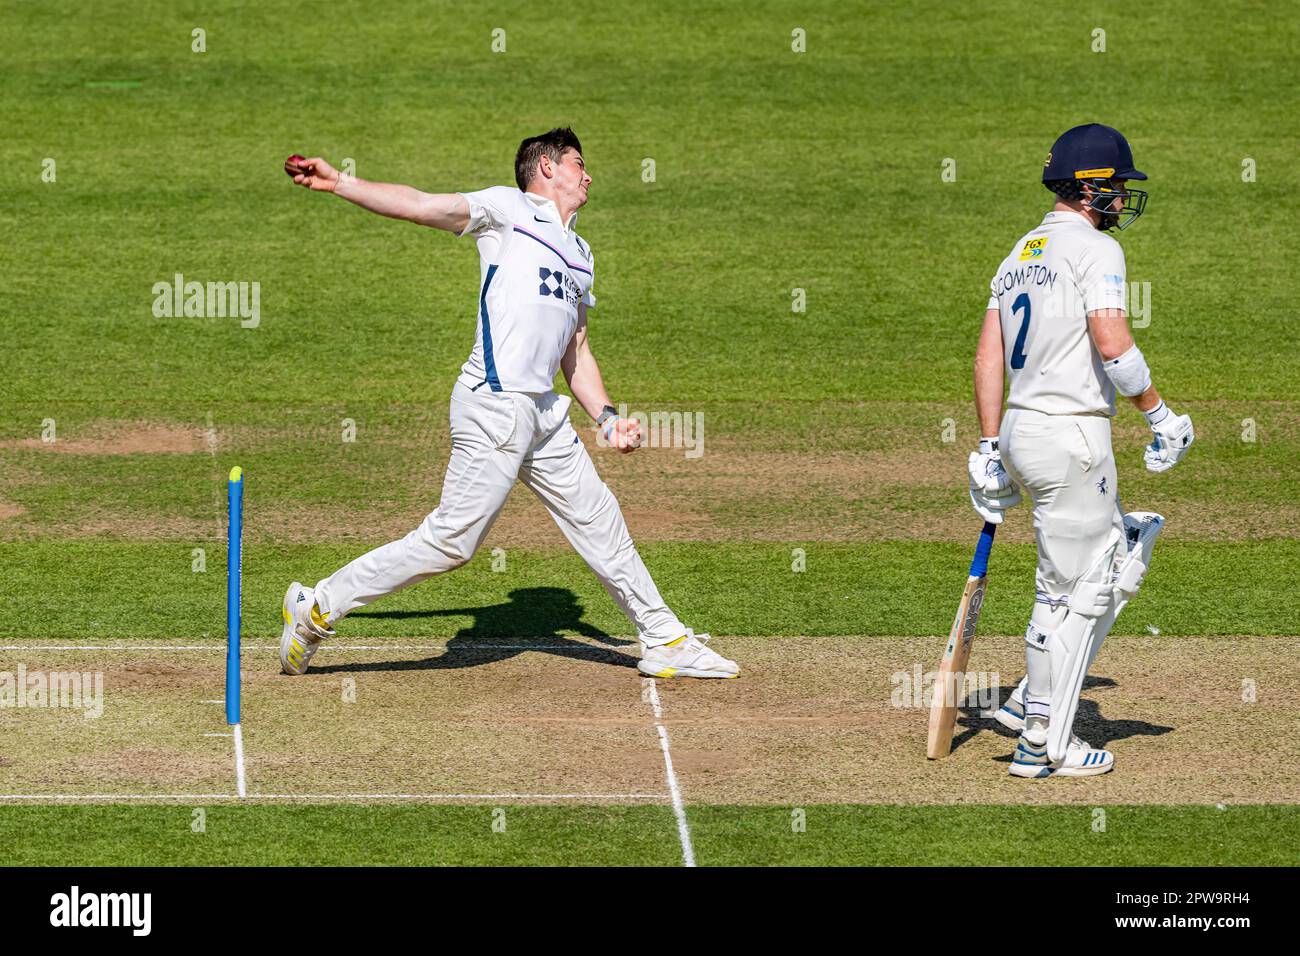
x: 234, y: 562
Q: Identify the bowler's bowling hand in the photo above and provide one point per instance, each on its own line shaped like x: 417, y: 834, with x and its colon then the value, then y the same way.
x: 624, y: 434
x: 314, y: 173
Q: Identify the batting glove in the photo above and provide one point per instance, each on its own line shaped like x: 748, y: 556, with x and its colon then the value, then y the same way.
x: 991, y: 489
x: 1173, y: 436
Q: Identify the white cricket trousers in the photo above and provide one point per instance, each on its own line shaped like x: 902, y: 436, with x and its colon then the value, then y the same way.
x: 1064, y: 463
x: 497, y: 437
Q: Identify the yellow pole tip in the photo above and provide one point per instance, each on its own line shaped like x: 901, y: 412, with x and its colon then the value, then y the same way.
x: 236, y: 474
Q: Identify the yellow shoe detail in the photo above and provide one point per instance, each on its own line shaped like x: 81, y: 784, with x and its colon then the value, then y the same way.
x: 676, y: 642
x: 667, y: 672
x: 317, y: 619
x: 284, y: 613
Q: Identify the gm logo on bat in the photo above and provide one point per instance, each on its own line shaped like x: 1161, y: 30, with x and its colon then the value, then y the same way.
x: 972, y: 616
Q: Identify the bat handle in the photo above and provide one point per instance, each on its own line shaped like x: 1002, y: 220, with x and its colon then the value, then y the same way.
x: 980, y: 566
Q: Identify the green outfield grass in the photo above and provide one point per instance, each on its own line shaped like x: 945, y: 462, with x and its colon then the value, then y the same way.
x: 870, y: 589
x: 840, y: 430
x: 645, y: 836
x: 774, y: 170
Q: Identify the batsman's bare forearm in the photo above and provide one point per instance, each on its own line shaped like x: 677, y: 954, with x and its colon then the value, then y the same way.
x: 448, y: 211
x: 1147, y: 400
x: 990, y: 376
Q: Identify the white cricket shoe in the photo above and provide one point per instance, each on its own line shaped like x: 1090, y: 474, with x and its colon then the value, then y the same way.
x: 304, y: 629
x: 685, y: 657
x: 1011, y: 715
x: 1080, y: 760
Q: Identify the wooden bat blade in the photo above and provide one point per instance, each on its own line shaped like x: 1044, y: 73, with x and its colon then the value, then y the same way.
x: 946, y: 691
x: 952, y: 669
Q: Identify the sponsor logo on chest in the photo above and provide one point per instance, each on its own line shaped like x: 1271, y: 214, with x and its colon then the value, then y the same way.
x: 559, y: 284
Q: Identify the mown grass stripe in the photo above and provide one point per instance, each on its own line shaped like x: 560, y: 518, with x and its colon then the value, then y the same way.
x: 138, y: 591
x: 637, y: 835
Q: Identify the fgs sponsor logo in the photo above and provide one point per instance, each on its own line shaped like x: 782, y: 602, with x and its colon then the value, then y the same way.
x: 1033, y: 249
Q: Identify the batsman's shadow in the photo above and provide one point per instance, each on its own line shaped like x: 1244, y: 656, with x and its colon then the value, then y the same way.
x: 1088, y: 721
x: 531, y: 620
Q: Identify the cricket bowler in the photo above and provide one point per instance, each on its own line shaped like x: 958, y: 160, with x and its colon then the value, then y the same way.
x: 1056, y: 327
x: 507, y: 422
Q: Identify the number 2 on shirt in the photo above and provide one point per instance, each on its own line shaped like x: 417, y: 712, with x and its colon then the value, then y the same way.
x: 1018, y: 350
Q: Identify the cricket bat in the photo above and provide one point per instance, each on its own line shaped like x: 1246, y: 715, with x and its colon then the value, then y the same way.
x: 952, y: 669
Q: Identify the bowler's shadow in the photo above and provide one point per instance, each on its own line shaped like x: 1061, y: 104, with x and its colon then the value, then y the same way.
x: 1088, y: 721
x: 531, y: 620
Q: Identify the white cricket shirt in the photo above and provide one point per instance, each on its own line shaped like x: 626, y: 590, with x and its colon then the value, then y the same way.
x: 534, y: 271
x: 1044, y: 289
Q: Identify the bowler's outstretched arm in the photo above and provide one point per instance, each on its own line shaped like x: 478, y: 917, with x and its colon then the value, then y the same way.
x: 447, y: 211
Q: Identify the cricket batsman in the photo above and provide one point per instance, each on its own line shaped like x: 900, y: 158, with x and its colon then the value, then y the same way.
x: 507, y: 422
x: 1056, y: 326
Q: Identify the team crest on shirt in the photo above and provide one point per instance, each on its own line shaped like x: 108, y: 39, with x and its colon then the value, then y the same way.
x: 1033, y: 249
x: 1101, y: 486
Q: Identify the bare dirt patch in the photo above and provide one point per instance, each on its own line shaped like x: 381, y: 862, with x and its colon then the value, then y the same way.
x: 813, y: 720
x: 154, y: 675
x: 122, y: 438
x: 135, y: 768
x: 1170, y: 709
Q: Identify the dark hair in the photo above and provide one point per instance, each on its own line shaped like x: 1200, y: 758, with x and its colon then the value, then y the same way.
x: 552, y: 143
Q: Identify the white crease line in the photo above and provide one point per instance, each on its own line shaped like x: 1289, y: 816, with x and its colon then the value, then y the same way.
x: 218, y: 735
x: 328, y: 647
x: 456, y: 796
x: 240, y: 785
x: 679, y: 811
x: 332, y: 796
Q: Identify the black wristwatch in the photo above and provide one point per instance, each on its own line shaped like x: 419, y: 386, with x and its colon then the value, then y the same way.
x: 606, y: 413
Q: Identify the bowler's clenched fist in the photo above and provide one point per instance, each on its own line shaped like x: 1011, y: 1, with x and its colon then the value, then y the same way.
x: 624, y: 434
x: 314, y: 173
